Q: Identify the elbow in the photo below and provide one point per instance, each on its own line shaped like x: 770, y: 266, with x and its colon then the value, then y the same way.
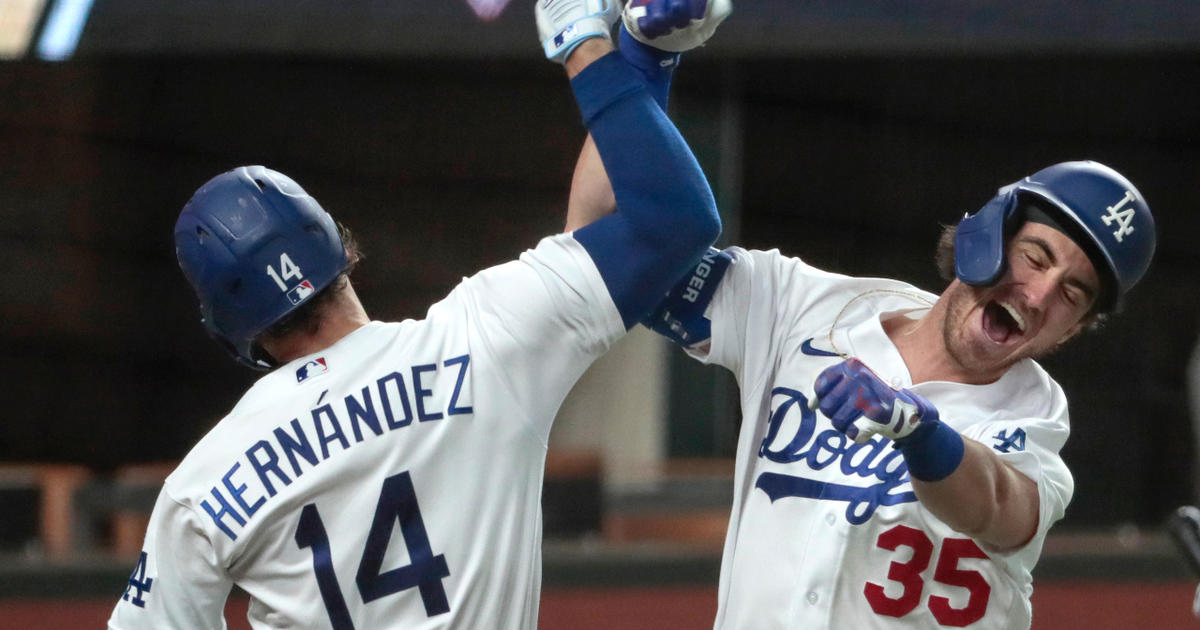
x: 1000, y: 521
x: 998, y: 533
x: 685, y: 229
x: 978, y: 523
x: 701, y: 227
x: 974, y: 516
x: 710, y: 228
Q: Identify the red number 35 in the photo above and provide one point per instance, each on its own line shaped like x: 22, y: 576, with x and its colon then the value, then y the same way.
x: 947, y: 572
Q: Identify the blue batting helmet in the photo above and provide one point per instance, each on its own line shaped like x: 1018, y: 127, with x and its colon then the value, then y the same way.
x: 1102, y: 210
x: 254, y: 247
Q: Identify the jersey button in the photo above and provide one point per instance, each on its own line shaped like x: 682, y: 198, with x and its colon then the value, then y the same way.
x: 813, y: 597
x: 830, y: 518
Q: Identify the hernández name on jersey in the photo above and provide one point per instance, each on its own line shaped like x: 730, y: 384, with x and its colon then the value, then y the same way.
x: 387, y: 403
x: 827, y: 465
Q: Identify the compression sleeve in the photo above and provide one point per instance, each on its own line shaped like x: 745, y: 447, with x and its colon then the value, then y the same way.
x: 666, y: 215
x: 655, y: 66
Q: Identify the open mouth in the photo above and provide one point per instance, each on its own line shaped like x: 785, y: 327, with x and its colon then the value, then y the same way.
x: 1002, y: 322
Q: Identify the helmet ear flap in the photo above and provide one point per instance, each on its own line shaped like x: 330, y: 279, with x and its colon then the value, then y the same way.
x: 1091, y: 203
x: 979, y: 239
x: 252, y: 357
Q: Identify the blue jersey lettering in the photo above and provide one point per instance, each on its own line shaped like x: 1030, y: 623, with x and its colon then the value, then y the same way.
x: 818, y: 451
x: 293, y: 442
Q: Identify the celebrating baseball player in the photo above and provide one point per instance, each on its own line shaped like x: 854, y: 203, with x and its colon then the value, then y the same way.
x: 898, y: 461
x: 388, y: 475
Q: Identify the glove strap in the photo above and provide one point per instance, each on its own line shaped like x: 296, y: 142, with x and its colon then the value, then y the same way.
x: 933, y: 451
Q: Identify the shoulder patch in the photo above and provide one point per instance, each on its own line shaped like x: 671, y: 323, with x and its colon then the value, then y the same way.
x: 1006, y: 443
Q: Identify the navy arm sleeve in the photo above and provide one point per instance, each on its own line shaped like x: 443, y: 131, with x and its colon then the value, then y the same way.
x: 681, y: 316
x: 666, y: 215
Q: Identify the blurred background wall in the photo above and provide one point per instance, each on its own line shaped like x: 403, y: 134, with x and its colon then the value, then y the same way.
x: 841, y: 132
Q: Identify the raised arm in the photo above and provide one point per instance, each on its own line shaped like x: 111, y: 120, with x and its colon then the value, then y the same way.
x: 591, y: 192
x: 665, y: 214
x: 653, y: 33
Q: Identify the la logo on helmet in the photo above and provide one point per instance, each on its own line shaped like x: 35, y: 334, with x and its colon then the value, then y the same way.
x: 1123, y: 218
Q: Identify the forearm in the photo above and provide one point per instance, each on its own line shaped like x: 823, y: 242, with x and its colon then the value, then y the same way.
x: 964, y: 483
x: 665, y: 213
x: 659, y: 187
x: 984, y: 498
x: 591, y: 193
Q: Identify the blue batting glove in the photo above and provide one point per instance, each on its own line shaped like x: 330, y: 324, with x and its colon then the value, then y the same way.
x: 675, y: 25
x: 861, y: 405
x: 663, y: 16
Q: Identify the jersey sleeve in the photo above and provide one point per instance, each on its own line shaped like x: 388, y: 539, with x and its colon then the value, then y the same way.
x: 761, y: 299
x: 544, y: 319
x: 726, y: 311
x: 177, y: 583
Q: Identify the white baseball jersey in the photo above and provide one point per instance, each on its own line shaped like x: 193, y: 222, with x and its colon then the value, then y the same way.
x: 827, y: 534
x: 392, y: 480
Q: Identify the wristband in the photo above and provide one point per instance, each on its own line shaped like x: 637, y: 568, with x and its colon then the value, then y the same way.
x: 932, y: 452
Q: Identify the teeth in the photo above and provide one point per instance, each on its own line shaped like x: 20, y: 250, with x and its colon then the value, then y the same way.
x: 1015, y: 315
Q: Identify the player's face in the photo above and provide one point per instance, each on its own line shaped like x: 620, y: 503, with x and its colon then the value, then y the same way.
x: 1039, y: 302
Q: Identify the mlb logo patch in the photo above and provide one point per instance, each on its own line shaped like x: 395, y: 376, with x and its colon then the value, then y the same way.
x: 300, y: 292
x: 316, y: 367
x: 566, y: 35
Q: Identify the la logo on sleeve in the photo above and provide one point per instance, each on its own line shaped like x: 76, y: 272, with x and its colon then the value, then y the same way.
x: 1006, y: 443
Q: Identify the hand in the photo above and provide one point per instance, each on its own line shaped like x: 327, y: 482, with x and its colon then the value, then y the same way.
x: 674, y: 25
x: 861, y: 405
x: 564, y: 24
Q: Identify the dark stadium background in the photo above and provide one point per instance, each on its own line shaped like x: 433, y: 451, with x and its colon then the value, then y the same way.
x: 842, y: 132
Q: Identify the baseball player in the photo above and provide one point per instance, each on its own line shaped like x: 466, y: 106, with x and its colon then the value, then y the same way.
x: 388, y: 475
x: 898, y: 461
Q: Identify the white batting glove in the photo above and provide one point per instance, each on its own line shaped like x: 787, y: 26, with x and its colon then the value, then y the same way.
x: 674, y: 25
x: 564, y: 24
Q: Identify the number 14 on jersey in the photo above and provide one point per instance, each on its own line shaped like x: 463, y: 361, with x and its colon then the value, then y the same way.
x: 397, y: 501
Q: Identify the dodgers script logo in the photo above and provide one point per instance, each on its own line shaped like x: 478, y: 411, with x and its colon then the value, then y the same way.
x: 875, y: 462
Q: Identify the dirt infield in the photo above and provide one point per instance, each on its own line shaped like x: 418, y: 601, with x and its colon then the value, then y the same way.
x: 1057, y: 606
